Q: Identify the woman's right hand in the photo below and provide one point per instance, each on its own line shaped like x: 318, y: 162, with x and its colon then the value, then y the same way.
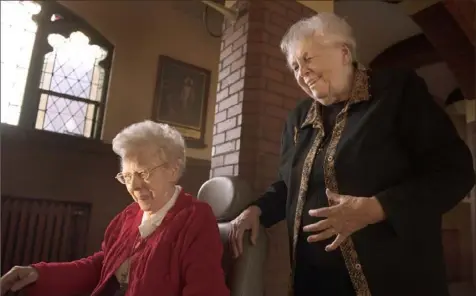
x: 247, y: 220
x: 17, y: 278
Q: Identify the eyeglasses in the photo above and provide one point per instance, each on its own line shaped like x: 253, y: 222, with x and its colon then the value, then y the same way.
x: 126, y: 178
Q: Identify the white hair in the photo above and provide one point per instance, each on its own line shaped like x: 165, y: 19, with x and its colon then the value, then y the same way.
x: 147, y: 134
x: 332, y: 29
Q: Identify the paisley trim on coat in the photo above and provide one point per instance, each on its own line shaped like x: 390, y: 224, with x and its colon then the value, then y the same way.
x: 306, y: 172
x: 296, y: 135
x: 360, y: 92
x: 351, y: 258
x: 311, y: 117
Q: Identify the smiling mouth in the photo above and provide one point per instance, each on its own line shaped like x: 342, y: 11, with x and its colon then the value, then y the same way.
x: 311, y: 83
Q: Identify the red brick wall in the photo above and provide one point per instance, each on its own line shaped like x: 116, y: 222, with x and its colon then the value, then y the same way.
x: 413, y: 52
x: 255, y: 93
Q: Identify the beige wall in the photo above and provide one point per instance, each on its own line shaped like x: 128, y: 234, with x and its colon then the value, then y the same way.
x: 141, y: 31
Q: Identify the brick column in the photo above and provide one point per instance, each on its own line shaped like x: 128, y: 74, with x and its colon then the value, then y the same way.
x: 255, y: 92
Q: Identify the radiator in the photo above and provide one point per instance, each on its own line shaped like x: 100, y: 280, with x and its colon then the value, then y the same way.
x: 36, y: 230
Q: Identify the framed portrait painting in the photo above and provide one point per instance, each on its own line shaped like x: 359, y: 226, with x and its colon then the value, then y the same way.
x: 181, y: 99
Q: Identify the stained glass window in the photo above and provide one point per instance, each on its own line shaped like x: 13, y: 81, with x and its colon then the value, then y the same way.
x: 71, y: 85
x: 18, y: 32
x: 65, y: 90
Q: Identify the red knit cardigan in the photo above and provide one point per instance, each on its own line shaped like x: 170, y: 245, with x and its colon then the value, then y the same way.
x: 182, y: 257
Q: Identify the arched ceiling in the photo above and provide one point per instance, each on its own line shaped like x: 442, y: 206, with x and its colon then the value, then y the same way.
x: 377, y: 25
x: 439, y: 79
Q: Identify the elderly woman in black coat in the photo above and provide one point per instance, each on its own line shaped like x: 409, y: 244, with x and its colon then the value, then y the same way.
x: 369, y: 164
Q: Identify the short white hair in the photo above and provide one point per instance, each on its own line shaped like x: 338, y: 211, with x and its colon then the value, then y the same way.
x: 332, y: 28
x: 168, y: 142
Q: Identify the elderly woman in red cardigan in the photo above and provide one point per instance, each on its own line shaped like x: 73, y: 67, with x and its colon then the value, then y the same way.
x: 165, y: 243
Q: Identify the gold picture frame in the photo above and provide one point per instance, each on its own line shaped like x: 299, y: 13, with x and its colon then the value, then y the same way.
x: 181, y: 98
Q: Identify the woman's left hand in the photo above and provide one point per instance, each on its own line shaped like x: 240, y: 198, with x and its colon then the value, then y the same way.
x: 346, y: 215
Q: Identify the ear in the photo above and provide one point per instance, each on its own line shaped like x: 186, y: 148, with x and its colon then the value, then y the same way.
x: 174, y: 172
x: 346, y: 55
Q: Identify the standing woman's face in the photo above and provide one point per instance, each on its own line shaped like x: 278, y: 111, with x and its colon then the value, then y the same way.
x: 320, y: 69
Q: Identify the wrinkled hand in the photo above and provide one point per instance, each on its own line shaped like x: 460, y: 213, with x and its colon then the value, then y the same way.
x: 17, y: 278
x: 247, y: 220
x: 346, y: 215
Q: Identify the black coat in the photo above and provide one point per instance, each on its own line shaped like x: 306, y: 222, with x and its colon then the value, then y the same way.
x: 391, y: 141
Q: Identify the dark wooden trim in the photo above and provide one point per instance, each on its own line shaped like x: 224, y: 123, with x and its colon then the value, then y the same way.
x: 51, y: 140
x: 62, y: 142
x: 31, y: 96
x: 451, y: 42
x: 413, y: 52
x: 464, y: 14
x: 198, y: 162
x: 86, y: 205
x: 69, y: 97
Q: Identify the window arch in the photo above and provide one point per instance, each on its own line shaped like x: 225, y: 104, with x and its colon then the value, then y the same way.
x: 55, y: 69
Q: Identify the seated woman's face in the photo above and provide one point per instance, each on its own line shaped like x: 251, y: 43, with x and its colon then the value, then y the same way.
x: 318, y: 68
x: 149, y: 180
